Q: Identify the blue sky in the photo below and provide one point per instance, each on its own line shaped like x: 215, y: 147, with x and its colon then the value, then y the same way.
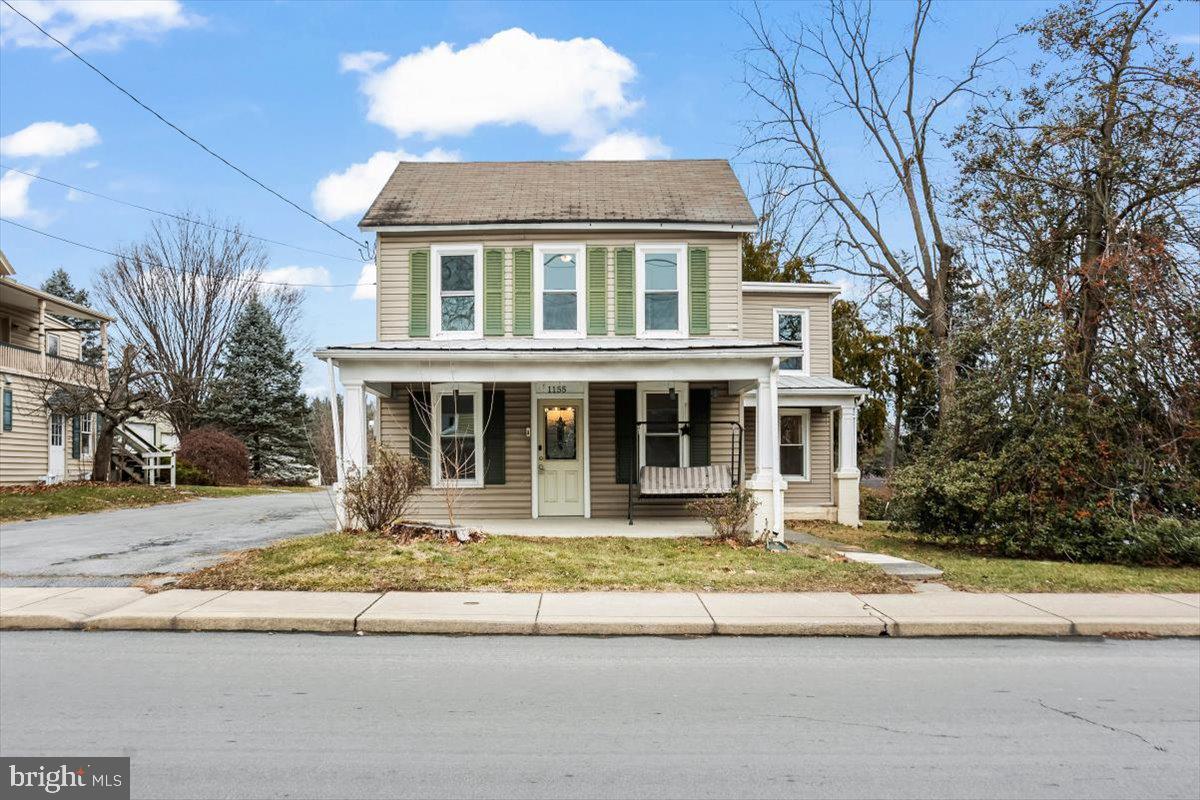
x: 318, y: 100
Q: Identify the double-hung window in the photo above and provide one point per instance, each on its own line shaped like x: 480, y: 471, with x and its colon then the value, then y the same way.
x: 662, y: 406
x: 457, y: 289
x: 794, y: 456
x: 559, y: 308
x: 85, y: 435
x: 791, y: 326
x: 662, y: 305
x: 457, y: 410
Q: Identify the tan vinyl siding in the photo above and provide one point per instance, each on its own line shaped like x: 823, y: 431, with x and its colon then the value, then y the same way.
x: 24, y: 451
x: 23, y: 331
x: 512, y: 500
x: 818, y: 490
x: 758, y: 322
x: 609, y: 498
x: 393, y: 249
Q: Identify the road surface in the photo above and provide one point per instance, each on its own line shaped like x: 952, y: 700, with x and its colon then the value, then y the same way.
x: 112, y: 548
x: 254, y: 715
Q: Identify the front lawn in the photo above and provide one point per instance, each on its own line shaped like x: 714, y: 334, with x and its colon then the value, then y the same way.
x: 976, y: 572
x: 366, y: 562
x: 38, y: 502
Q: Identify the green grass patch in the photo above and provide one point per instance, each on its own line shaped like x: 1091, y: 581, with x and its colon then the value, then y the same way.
x: 979, y: 572
x: 39, y: 502
x: 368, y: 562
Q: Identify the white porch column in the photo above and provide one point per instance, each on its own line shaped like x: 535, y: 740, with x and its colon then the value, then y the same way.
x: 766, y: 482
x: 846, y: 477
x: 354, y: 438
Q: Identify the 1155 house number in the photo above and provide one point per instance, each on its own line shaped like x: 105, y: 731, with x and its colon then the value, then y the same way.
x: 559, y: 388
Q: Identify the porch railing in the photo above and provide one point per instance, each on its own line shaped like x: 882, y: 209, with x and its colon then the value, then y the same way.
x: 15, y: 358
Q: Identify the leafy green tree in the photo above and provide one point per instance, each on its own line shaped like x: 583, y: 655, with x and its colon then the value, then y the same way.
x: 60, y: 284
x: 257, y: 397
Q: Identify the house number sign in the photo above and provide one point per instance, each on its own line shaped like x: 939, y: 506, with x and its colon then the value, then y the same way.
x: 560, y: 388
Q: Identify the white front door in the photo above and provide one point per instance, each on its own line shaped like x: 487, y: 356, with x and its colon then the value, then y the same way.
x: 560, y: 426
x: 58, y: 459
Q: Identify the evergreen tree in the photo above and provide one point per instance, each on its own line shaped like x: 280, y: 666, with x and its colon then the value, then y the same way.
x: 257, y: 397
x: 59, y: 284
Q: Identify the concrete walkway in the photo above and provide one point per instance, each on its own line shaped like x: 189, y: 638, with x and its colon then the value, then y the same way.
x: 902, y: 568
x: 606, y: 613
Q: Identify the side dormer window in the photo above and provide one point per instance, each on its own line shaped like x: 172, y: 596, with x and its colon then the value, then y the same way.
x: 662, y: 290
x: 791, y: 325
x: 457, y: 288
x: 558, y: 290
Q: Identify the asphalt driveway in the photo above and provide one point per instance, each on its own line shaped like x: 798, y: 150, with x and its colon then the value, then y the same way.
x: 112, y: 548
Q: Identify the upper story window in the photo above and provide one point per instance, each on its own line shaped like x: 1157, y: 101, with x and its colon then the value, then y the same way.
x: 558, y: 290
x: 52, y: 344
x: 662, y: 290
x: 457, y: 289
x: 791, y: 325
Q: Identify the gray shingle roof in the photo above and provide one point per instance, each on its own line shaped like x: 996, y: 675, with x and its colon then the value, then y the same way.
x: 507, y: 192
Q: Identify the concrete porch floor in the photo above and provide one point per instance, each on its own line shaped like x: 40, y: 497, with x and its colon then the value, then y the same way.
x: 567, y: 527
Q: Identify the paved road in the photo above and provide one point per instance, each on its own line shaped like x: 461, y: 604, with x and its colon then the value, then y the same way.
x: 252, y: 715
x: 111, y: 548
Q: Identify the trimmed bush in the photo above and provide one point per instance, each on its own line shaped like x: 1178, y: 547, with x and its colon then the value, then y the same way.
x: 729, y: 514
x: 219, y: 458
x: 382, y: 496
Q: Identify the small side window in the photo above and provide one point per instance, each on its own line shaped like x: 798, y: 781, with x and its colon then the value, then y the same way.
x: 8, y: 410
x: 791, y: 326
x: 52, y: 343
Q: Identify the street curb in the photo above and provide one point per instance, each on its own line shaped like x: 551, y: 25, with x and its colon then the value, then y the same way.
x: 606, y: 613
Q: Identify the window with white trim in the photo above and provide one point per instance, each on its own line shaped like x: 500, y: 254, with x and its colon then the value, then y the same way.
x: 791, y: 325
x: 56, y: 430
x: 559, y: 307
x: 662, y: 307
x: 662, y: 406
x: 794, y: 456
x: 85, y: 435
x: 456, y: 284
x: 457, y: 428
x: 53, y: 343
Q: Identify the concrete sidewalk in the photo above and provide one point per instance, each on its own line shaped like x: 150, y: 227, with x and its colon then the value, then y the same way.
x: 606, y: 613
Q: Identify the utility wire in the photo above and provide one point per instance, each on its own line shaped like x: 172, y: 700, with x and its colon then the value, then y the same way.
x: 362, y: 246
x: 174, y: 216
x: 181, y: 271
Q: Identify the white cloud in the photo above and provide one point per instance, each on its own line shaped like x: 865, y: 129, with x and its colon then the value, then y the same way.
x: 76, y: 196
x: 92, y: 24
x: 366, y: 61
x: 14, y: 196
x: 297, y: 276
x: 574, y: 87
x: 365, y: 289
x: 340, y: 194
x: 627, y: 146
x: 48, y: 139
x: 1188, y: 38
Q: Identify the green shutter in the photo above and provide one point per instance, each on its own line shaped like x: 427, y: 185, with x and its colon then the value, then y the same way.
x: 698, y: 291
x: 493, y: 438
x: 597, y: 294
x: 699, y: 427
x: 8, y: 409
x: 625, y: 296
x: 625, y: 424
x: 522, y: 291
x: 418, y: 293
x: 493, y: 292
x: 75, y: 437
x: 418, y: 429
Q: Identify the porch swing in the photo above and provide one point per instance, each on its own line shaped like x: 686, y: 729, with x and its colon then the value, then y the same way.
x: 685, y: 483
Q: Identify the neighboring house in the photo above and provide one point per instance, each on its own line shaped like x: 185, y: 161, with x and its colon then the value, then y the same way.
x: 575, y: 339
x: 154, y: 428
x: 40, y: 351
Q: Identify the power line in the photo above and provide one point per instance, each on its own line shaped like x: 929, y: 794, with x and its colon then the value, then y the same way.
x: 361, y: 245
x: 175, y: 216
x: 182, y: 271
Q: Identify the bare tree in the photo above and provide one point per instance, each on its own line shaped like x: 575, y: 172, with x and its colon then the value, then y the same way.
x: 177, y: 294
x: 816, y: 73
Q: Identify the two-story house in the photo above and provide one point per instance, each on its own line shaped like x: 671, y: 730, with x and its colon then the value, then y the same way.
x: 39, y: 352
x: 575, y: 339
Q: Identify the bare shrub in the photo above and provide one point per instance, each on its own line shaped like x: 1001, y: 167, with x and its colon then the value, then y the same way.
x: 221, y: 458
x: 729, y: 514
x: 383, y: 494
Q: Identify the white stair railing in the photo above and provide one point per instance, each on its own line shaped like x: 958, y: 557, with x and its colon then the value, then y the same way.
x: 151, y: 460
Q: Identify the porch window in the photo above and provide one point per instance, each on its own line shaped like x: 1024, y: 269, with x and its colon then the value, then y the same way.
x: 559, y: 290
x: 457, y: 423
x: 791, y: 325
x: 52, y: 344
x: 662, y: 307
x: 793, y: 443
x: 457, y: 286
x: 662, y: 407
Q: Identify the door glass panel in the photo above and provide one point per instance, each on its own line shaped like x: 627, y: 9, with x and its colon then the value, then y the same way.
x: 56, y: 430
x: 560, y: 433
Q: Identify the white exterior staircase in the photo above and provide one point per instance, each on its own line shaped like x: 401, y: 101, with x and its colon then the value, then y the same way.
x: 136, y: 459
